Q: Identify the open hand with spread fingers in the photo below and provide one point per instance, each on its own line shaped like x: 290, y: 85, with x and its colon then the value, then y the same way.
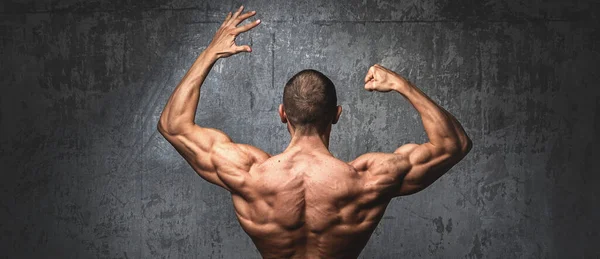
x: 381, y: 79
x: 223, y: 43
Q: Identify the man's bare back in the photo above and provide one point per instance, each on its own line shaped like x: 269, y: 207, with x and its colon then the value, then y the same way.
x: 304, y: 202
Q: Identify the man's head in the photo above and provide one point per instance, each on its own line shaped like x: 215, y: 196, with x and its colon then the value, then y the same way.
x: 309, y: 103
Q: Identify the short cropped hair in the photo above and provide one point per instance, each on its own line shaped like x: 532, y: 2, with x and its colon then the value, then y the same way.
x: 309, y: 100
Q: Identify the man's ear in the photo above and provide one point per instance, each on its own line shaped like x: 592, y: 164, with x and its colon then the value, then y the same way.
x: 337, y: 115
x: 282, y: 114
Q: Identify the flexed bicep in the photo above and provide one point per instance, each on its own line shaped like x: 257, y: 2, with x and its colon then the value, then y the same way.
x: 418, y: 165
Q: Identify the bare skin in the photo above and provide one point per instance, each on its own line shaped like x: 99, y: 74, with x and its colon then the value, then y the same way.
x: 304, y: 202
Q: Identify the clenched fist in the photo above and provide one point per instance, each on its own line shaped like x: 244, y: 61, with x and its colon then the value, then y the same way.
x: 223, y: 43
x: 382, y: 79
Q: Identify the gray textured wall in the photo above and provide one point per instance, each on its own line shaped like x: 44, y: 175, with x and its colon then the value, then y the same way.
x: 84, y: 173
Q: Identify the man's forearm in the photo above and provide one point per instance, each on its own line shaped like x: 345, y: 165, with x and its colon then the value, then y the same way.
x: 180, y: 110
x: 442, y: 128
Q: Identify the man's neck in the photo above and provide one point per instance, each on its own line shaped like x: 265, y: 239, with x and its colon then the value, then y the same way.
x: 309, y: 142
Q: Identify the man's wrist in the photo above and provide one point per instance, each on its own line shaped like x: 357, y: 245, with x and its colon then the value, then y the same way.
x: 403, y: 86
x: 210, y: 54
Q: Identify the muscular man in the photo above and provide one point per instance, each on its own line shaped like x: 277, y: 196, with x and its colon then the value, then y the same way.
x: 305, y: 203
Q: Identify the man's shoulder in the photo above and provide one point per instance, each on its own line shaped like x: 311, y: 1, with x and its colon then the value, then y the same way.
x: 373, y: 160
x: 257, y: 155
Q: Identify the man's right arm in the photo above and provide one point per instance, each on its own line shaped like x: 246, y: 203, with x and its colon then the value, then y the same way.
x: 413, y: 167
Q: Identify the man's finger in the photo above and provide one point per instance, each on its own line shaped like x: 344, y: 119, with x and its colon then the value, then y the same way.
x: 226, y: 19
x: 243, y: 17
x: 243, y: 48
x: 369, y: 86
x: 247, y: 27
x: 370, y: 74
x: 238, y: 12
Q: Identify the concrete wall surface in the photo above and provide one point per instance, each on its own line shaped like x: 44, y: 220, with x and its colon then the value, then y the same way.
x: 85, y: 174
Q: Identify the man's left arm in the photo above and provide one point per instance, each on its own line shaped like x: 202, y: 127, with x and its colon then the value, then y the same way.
x: 210, y: 152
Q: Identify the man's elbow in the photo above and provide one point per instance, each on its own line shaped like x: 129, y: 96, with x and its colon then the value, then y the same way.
x: 170, y: 128
x: 464, y: 147
x: 460, y: 148
x: 161, y: 128
x: 467, y: 146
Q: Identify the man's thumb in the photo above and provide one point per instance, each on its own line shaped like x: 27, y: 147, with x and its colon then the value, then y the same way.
x: 370, y: 86
x: 244, y: 48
